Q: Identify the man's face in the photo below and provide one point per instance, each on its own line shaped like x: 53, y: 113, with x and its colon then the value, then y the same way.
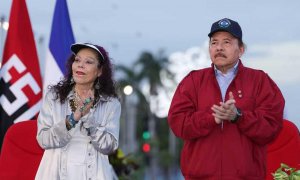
x: 224, y: 50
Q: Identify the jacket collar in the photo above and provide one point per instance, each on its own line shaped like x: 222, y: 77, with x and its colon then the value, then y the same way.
x: 239, y: 68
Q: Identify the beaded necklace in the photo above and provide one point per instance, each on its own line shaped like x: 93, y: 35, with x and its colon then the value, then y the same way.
x: 74, y: 101
x: 74, y: 104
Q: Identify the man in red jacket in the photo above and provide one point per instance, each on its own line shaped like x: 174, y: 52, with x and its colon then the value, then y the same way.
x: 226, y: 114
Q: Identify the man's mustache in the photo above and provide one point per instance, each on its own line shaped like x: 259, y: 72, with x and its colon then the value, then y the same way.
x: 220, y: 55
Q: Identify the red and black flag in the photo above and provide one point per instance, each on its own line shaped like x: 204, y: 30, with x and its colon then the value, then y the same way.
x: 20, y: 78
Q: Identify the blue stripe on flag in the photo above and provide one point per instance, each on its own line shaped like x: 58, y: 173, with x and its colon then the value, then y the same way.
x: 61, y: 36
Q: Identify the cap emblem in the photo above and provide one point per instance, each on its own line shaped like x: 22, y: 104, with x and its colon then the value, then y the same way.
x: 224, y: 23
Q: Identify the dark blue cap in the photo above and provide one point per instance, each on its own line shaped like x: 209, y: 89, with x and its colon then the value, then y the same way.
x: 227, y: 25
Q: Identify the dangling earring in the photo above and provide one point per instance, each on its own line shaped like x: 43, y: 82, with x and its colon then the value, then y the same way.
x: 97, y: 85
x: 71, y: 81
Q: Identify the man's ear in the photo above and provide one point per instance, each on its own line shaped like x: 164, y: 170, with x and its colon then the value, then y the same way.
x: 242, y: 50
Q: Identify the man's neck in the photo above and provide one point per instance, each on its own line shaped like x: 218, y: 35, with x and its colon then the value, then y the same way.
x: 225, y: 69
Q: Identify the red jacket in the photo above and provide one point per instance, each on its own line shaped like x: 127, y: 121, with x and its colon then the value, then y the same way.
x: 238, y: 150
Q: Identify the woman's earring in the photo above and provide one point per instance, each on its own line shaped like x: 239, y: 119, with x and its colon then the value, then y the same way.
x: 97, y: 86
x: 72, y: 80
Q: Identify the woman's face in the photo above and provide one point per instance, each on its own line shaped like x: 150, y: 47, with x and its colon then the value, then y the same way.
x: 85, y: 67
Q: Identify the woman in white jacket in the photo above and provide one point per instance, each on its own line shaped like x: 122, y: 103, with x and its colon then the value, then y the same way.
x: 78, y: 125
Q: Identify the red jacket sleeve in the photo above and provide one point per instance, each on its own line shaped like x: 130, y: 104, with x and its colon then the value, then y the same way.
x: 184, y: 119
x: 264, y: 123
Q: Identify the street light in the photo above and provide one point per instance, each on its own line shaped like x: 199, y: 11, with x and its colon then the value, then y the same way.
x: 128, y: 90
x: 128, y: 124
x: 4, y: 24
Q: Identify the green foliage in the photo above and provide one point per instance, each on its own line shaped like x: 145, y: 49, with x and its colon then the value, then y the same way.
x: 286, y: 173
x: 165, y: 158
x: 124, y: 166
x: 162, y: 128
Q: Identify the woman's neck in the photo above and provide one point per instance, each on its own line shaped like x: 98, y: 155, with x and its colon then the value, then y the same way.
x: 81, y: 89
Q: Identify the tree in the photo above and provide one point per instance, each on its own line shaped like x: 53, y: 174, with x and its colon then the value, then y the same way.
x: 150, y: 69
x: 147, y: 72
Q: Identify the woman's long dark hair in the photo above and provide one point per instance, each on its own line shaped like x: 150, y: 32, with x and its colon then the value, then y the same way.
x: 107, y: 84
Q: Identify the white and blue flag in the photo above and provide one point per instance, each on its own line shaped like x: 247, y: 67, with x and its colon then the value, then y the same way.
x: 60, y: 41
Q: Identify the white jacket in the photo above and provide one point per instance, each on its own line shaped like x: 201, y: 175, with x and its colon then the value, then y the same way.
x: 73, y: 154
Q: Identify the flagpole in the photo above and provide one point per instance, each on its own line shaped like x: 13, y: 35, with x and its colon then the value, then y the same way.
x: 3, y: 29
x: 41, y: 52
